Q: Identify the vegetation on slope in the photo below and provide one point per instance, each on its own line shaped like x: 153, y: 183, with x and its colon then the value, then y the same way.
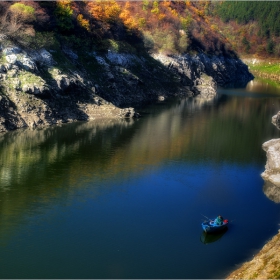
x: 170, y: 27
x: 253, y: 27
x: 158, y: 26
x: 266, y: 14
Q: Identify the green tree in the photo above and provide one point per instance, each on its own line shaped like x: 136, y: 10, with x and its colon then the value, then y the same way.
x: 246, y: 44
x: 64, y: 14
x: 270, y: 46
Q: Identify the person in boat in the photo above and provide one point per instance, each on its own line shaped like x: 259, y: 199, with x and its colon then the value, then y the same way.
x: 219, y: 220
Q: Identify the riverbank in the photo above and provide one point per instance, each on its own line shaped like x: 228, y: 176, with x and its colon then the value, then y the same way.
x: 52, y: 86
x: 268, y: 69
x: 264, y: 265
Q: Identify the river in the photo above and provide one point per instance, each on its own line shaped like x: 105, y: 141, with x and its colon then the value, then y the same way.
x: 126, y: 198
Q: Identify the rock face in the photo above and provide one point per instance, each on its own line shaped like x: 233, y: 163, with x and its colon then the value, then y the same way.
x: 271, y: 175
x: 225, y: 72
x: 272, y: 148
x: 36, y: 90
x: 276, y: 120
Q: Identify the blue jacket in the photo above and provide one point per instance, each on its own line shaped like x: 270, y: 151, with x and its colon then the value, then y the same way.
x: 218, y: 221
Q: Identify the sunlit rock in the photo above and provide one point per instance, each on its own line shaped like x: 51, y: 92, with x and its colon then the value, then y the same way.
x: 272, y: 191
x: 272, y: 148
x: 276, y: 120
x: 271, y: 175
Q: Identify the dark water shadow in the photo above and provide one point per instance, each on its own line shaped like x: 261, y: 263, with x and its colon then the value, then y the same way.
x: 207, y: 238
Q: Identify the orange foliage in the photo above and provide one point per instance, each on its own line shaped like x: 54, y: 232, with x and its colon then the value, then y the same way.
x: 83, y: 22
x: 126, y: 17
x: 108, y: 11
x: 166, y: 3
x: 161, y: 16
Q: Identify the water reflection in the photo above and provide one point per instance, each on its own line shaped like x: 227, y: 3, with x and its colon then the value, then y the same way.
x: 202, y: 142
x: 39, y: 166
x: 262, y: 87
x: 207, y: 238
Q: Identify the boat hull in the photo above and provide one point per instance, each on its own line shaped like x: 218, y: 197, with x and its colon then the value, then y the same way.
x: 210, y: 227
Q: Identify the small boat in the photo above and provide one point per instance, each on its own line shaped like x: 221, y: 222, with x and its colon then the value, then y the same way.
x: 211, y: 227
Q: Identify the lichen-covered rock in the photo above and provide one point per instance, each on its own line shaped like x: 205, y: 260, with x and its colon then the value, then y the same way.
x: 25, y: 62
x: 42, y: 90
x: 272, y: 191
x: 272, y: 148
x: 11, y: 58
x: 121, y: 59
x: 206, y: 86
x: 12, y: 50
x: 16, y: 56
x: 42, y: 57
x: 106, y: 85
x: 271, y: 175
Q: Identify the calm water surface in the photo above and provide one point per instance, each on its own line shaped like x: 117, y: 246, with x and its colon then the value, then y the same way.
x: 125, y: 199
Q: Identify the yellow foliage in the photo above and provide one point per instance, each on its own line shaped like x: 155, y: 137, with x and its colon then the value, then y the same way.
x: 214, y: 27
x: 174, y: 13
x: 155, y: 10
x: 141, y: 22
x: 200, y: 13
x: 112, y: 11
x: 83, y: 22
x: 64, y: 2
x: 124, y: 14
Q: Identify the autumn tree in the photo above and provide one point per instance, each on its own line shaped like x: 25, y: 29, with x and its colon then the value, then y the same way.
x: 104, y: 10
x: 14, y: 21
x: 127, y: 18
x: 84, y: 23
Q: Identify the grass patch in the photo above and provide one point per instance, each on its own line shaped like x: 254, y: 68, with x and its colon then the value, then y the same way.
x: 273, y: 68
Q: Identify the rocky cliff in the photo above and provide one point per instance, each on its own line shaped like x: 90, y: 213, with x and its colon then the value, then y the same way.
x: 271, y: 175
x: 44, y: 87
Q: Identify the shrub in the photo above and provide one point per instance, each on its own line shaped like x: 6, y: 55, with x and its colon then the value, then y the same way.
x: 14, y: 21
x: 64, y: 14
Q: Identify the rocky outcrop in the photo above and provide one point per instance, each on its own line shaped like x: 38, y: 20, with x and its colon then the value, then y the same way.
x: 272, y: 167
x: 225, y: 72
x: 276, y: 120
x: 271, y: 175
x: 36, y: 90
